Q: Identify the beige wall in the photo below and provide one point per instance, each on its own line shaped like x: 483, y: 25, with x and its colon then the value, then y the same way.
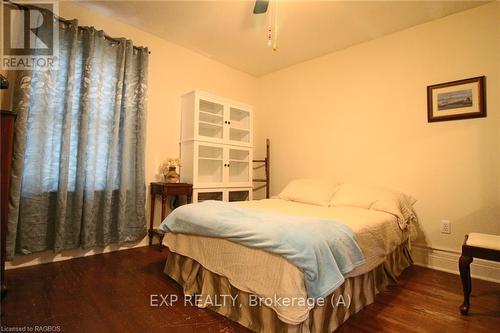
x: 360, y: 115
x: 173, y: 71
x: 354, y: 115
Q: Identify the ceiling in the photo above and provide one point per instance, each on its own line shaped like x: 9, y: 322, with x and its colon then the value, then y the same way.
x: 228, y: 32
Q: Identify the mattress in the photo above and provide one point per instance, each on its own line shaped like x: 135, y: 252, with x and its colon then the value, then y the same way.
x: 271, y: 276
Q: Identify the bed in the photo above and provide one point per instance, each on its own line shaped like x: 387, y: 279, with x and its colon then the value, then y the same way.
x: 259, y: 281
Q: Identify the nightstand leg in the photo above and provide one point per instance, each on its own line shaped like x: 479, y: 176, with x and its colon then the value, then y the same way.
x: 161, y: 241
x: 151, y: 219
x: 163, y: 215
x: 163, y: 207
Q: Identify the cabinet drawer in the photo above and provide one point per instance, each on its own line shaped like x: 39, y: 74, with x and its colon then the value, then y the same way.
x: 208, y: 194
x: 239, y: 195
x: 225, y: 194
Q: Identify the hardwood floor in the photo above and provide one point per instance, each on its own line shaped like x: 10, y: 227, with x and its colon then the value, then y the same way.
x: 111, y: 293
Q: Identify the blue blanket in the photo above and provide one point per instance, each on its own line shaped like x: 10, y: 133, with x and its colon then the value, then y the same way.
x: 323, y: 249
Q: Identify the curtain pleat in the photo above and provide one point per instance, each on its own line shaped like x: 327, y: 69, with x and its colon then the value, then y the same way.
x: 78, y: 177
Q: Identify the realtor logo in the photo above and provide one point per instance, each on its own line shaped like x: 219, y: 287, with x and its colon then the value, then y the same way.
x: 29, y: 35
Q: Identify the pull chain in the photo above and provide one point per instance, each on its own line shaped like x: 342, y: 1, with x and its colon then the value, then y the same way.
x: 272, y: 36
x: 275, y: 43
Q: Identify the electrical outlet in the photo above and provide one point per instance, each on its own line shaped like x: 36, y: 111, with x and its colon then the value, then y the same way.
x: 445, y: 227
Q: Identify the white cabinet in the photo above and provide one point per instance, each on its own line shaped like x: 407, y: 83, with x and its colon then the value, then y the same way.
x: 216, y: 151
x: 210, y: 118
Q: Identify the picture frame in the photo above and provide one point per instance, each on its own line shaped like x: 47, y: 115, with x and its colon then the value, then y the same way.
x: 461, y: 99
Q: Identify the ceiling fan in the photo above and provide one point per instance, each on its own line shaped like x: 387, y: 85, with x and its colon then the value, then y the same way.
x: 260, y: 6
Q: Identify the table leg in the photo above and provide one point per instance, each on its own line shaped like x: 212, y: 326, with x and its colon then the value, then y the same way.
x: 152, y: 219
x: 163, y: 207
x: 161, y: 241
x: 464, y: 266
x: 163, y: 215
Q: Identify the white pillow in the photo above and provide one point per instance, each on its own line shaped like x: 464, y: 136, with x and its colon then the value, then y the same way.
x: 376, y: 198
x: 311, y: 191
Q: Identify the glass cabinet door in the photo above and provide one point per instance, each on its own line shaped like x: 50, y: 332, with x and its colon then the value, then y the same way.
x: 239, y: 166
x: 239, y: 195
x: 200, y: 196
x: 210, y: 120
x: 239, y: 125
x: 210, y: 164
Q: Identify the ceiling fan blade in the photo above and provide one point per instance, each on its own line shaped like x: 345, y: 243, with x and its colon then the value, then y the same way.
x: 260, y: 6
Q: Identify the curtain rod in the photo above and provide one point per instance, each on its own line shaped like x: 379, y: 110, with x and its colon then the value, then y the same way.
x: 117, y: 40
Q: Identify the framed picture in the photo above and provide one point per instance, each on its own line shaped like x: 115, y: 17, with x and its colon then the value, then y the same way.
x: 455, y: 100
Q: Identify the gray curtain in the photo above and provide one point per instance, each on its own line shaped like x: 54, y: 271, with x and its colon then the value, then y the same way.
x: 78, y: 169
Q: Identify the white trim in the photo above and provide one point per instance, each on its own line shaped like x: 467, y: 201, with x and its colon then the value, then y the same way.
x: 447, y: 261
x: 439, y: 259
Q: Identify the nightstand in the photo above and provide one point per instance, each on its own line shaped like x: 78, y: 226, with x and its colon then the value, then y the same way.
x: 165, y: 190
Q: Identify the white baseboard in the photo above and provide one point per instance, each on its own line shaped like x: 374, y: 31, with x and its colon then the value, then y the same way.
x: 447, y: 261
x: 49, y: 256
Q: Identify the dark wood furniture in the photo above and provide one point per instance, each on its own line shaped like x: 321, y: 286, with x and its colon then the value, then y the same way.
x: 266, y: 165
x: 7, y: 128
x: 468, y: 253
x: 165, y: 190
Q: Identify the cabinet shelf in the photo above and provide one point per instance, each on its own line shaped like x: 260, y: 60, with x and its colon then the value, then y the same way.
x: 206, y: 123
x: 206, y: 117
x: 241, y: 129
x: 211, y: 114
x: 210, y: 158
